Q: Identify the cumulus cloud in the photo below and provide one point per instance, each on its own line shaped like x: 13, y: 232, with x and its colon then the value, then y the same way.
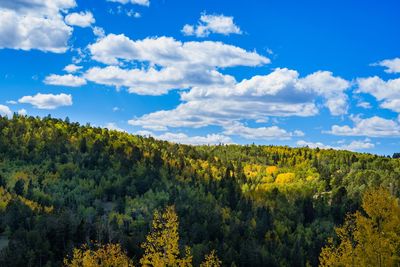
x: 35, y: 24
x: 47, y: 101
x: 303, y: 143
x: 170, y: 64
x: 22, y: 112
x: 212, y: 24
x: 331, y: 88
x: 65, y: 80
x: 5, y: 111
x: 181, y: 138
x: 113, y: 126
x: 166, y: 51
x: 261, y: 133
x: 136, y: 2
x: 387, y: 92
x: 391, y: 65
x: 281, y: 93
x: 81, y: 19
x: 359, y: 145
x: 371, y: 127
x: 156, y: 82
x: 98, y: 32
x: 72, y: 68
x: 352, y: 146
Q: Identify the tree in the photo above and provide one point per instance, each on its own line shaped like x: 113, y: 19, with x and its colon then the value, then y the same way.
x: 211, y: 260
x: 368, y: 238
x: 162, y: 243
x: 110, y: 255
x: 19, y: 187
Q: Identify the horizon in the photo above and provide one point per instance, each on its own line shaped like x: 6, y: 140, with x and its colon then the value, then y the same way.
x: 282, y: 73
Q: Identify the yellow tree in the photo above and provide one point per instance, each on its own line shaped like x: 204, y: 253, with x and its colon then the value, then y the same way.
x: 161, y: 247
x: 369, y: 238
x: 110, y: 255
x: 211, y: 260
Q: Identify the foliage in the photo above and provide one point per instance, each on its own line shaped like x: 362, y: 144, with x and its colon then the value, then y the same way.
x: 211, y: 260
x: 110, y: 255
x: 371, y: 238
x: 63, y: 184
x: 161, y: 247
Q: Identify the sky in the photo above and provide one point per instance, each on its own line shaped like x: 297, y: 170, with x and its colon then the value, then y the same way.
x: 299, y: 73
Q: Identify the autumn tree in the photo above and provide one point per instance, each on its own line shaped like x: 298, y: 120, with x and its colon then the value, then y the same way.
x: 211, y: 260
x: 161, y: 247
x: 368, y: 238
x: 110, y: 255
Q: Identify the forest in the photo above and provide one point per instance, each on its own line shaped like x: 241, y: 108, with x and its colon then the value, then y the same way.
x: 74, y: 195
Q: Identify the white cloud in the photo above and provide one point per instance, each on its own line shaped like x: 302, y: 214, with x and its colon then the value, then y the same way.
x: 35, y: 24
x: 12, y: 102
x: 98, y: 32
x: 170, y: 64
x: 65, y: 80
x: 82, y: 19
x: 359, y: 145
x: 212, y: 24
x: 387, y: 92
x: 72, y: 68
x: 47, y: 101
x: 261, y: 133
x: 364, y: 104
x: 22, y: 112
x: 181, y: 138
x: 134, y: 14
x: 281, y: 93
x: 331, y: 88
x: 303, y: 143
x: 136, y: 2
x: 391, y: 65
x: 113, y: 126
x: 352, y: 146
x: 156, y: 82
x: 5, y: 111
x: 166, y: 51
x: 372, y: 127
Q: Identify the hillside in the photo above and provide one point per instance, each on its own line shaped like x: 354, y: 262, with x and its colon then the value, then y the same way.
x: 63, y: 184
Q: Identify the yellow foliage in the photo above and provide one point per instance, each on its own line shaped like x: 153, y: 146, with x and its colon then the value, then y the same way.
x: 267, y: 179
x: 284, y: 178
x: 211, y: 260
x: 34, y: 206
x: 272, y: 170
x: 5, y: 197
x: 368, y: 240
x: 110, y: 255
x: 161, y: 245
x: 19, y: 175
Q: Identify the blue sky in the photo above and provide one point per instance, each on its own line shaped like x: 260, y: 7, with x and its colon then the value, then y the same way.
x: 316, y: 73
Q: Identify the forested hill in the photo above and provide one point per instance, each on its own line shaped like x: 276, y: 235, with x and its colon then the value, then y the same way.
x: 63, y: 185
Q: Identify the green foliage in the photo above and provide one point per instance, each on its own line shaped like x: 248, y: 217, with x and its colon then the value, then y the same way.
x: 62, y: 185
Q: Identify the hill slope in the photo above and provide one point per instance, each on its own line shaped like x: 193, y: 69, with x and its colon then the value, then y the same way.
x: 62, y: 184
